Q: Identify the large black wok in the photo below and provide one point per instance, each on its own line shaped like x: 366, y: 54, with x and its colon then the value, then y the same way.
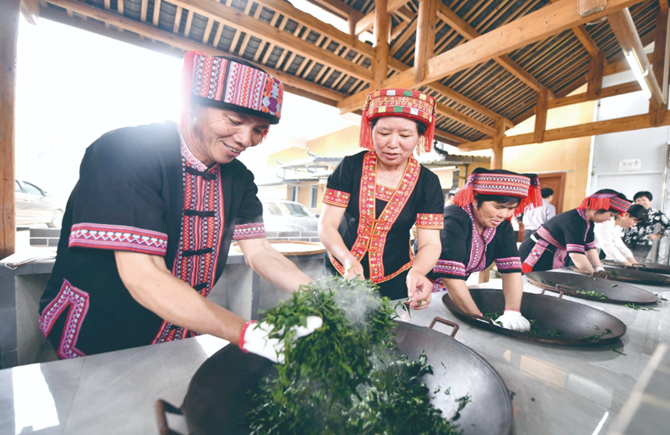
x: 570, y: 283
x: 577, y: 321
x: 217, y: 400
x: 628, y: 275
x: 646, y: 267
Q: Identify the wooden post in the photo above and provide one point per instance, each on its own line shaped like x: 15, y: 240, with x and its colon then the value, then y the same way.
x: 595, y: 83
x: 9, y: 33
x: 382, y: 27
x: 660, y: 64
x: 541, y: 116
x: 497, y: 148
x: 425, y: 37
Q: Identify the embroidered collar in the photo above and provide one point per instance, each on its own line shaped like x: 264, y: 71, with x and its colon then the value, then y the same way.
x: 582, y: 213
x: 188, y: 155
x: 479, y: 243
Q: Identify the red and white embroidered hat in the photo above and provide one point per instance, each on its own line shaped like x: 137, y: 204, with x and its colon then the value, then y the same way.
x: 606, y: 201
x: 502, y: 183
x: 406, y: 103
x: 231, y: 84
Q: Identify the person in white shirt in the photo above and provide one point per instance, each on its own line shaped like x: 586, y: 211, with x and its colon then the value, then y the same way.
x: 608, y: 235
x: 534, y: 218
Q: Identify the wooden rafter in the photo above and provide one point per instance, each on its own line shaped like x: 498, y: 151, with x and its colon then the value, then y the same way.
x: 595, y: 82
x: 628, y: 123
x: 450, y: 138
x: 292, y: 83
x: 583, y: 35
x: 30, y: 9
x: 469, y: 33
x: 380, y: 60
x: 661, y: 64
x: 336, y: 7
x: 367, y: 21
x: 541, y: 24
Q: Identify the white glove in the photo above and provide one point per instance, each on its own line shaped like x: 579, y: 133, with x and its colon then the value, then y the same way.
x: 255, y: 338
x: 599, y: 269
x: 512, y: 319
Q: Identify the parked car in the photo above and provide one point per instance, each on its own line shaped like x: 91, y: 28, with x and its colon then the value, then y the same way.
x: 34, y: 206
x: 288, y: 216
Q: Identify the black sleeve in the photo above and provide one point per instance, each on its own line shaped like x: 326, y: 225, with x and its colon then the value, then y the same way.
x: 454, y: 256
x: 117, y: 202
x: 430, y: 209
x: 340, y: 183
x: 576, y: 236
x: 249, y: 220
x: 507, y: 254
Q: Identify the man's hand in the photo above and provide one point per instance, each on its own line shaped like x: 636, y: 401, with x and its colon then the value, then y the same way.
x: 653, y: 237
x: 255, y: 338
x: 419, y: 290
x: 512, y: 319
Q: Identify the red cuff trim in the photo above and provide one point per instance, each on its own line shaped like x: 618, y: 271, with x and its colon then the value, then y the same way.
x: 240, y: 342
x: 510, y: 309
x: 118, y: 238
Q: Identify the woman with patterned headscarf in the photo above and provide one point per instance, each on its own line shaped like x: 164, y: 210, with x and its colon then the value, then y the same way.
x: 570, y: 234
x: 477, y: 231
x: 373, y: 199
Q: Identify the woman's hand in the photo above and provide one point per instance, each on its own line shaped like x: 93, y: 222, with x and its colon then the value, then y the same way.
x: 654, y: 237
x: 352, y: 268
x: 419, y: 290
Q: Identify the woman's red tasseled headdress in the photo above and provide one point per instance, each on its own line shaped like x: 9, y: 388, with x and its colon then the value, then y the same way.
x: 406, y: 103
x: 504, y: 183
x: 605, y: 201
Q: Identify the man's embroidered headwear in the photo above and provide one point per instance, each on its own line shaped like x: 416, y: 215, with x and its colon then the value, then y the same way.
x: 399, y: 102
x: 504, y: 183
x: 605, y: 201
x: 229, y: 84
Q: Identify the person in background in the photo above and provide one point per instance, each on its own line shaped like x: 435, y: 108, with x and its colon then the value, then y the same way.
x: 639, y: 238
x: 449, y: 199
x: 477, y: 232
x: 534, y: 218
x: 374, y: 197
x: 147, y: 228
x: 571, y: 234
x: 608, y: 235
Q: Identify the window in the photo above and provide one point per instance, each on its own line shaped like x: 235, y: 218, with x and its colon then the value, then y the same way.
x: 34, y: 190
x: 313, y: 195
x: 292, y: 193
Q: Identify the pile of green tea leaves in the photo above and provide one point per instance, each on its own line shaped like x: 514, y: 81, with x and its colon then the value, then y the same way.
x: 534, y: 330
x: 347, y: 377
x: 593, y: 294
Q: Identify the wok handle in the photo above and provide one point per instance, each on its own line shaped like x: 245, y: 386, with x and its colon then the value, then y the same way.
x: 446, y: 322
x: 560, y: 292
x: 600, y: 275
x: 162, y: 408
x: 637, y: 266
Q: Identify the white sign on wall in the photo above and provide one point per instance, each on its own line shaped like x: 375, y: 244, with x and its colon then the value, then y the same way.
x: 630, y: 165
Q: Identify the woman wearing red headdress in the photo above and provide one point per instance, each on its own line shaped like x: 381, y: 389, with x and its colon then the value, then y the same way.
x: 571, y: 234
x: 373, y: 199
x: 477, y: 232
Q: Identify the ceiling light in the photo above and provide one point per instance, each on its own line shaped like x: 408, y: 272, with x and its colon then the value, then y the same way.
x: 639, y: 72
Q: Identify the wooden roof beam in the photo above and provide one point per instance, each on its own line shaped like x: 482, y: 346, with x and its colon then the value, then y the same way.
x: 624, y: 29
x: 292, y: 83
x: 628, y: 123
x: 541, y: 24
x: 425, y: 37
x: 368, y: 20
x: 380, y: 60
x: 660, y: 63
x: 468, y: 32
x: 30, y: 9
x: 336, y: 7
x: 465, y: 119
x: 446, y: 137
x: 587, y: 42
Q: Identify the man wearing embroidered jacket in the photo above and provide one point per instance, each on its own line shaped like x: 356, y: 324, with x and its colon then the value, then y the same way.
x: 374, y: 197
x: 477, y: 231
x: 147, y: 228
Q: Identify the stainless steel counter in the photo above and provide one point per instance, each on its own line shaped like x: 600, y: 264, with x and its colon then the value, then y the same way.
x: 558, y: 390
